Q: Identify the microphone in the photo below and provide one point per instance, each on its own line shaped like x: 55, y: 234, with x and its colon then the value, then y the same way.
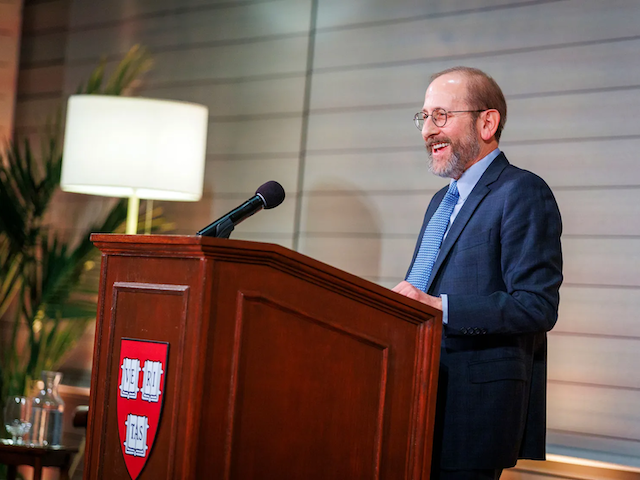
x: 268, y: 195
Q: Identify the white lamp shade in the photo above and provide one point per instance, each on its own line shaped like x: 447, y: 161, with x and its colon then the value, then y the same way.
x: 134, y: 147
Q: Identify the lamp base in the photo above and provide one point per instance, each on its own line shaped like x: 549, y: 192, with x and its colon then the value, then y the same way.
x: 132, y: 215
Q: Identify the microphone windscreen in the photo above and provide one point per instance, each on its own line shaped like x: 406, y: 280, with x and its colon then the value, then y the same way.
x: 272, y: 193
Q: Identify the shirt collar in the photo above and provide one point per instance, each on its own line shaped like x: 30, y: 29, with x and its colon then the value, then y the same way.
x: 472, y: 174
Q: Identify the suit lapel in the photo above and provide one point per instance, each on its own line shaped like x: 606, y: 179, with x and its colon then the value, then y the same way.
x: 476, y: 196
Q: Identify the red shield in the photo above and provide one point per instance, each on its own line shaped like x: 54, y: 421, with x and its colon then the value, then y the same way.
x: 143, y: 369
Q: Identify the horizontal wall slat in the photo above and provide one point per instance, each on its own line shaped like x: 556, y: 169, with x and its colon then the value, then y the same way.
x: 529, y: 119
x: 600, y: 212
x: 189, y: 28
x: 193, y: 216
x: 261, y: 97
x: 242, y: 176
x: 597, y: 311
x: 584, y: 212
x: 361, y: 212
x: 603, y: 361
x: 186, y: 217
x: 587, y: 261
x: 517, y: 28
x: 40, y: 80
x: 406, y: 84
x: 88, y: 15
x: 46, y: 48
x: 573, y: 116
x: 582, y: 163
x: 271, y: 57
x: 597, y: 261
x: 254, y: 137
x: 388, y: 129
x: 45, y: 16
x: 569, y: 164
x: 365, y: 257
x: 273, y: 221
x: 371, y: 171
x: 335, y: 13
x: 594, y: 418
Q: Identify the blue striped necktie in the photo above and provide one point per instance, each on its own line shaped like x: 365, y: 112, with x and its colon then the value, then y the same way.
x: 432, y: 239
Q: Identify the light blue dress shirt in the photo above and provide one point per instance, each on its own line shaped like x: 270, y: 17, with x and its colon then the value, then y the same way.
x: 466, y: 183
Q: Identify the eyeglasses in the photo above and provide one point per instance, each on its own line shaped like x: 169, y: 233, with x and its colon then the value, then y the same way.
x: 439, y: 116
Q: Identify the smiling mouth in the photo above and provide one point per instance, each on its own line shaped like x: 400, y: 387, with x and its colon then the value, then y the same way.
x: 436, y: 147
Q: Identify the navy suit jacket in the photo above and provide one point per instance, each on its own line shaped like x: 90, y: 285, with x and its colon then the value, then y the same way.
x: 501, y: 268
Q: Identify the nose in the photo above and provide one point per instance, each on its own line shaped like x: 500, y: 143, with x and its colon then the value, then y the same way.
x: 429, y: 128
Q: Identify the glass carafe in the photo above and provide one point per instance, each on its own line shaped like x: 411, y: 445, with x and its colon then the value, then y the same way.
x: 47, y: 410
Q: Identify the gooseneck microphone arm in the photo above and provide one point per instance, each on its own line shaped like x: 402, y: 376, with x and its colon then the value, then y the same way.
x: 268, y: 195
x: 223, y: 227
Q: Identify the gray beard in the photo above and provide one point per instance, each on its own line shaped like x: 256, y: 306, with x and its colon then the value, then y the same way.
x: 463, y: 153
x: 453, y: 169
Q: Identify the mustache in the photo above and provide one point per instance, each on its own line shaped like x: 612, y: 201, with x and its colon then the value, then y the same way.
x: 432, y: 141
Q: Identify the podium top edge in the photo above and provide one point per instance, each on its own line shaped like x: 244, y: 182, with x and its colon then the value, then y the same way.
x: 196, y: 246
x: 187, y: 245
x: 153, y: 238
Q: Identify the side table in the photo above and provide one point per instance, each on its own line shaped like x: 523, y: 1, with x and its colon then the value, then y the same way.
x: 37, y: 457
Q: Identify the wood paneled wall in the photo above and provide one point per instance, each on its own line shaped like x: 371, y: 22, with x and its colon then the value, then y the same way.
x: 320, y: 95
x: 41, y: 74
x: 10, y: 22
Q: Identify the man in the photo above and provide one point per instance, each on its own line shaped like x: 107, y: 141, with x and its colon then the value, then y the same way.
x: 496, y: 277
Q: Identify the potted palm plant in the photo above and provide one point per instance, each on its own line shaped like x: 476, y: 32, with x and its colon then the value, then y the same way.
x: 46, y: 298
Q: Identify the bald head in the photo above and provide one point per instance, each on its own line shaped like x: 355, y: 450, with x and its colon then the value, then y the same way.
x: 480, y: 91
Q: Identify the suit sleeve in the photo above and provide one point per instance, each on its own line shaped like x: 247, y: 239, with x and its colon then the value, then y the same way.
x: 530, y: 259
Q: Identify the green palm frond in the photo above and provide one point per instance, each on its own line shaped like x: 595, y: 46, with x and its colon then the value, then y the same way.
x: 95, y: 79
x: 62, y: 267
x: 135, y: 63
x: 48, y: 284
x: 10, y: 274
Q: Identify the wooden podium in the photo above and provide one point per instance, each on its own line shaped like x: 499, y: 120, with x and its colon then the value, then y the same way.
x: 279, y: 366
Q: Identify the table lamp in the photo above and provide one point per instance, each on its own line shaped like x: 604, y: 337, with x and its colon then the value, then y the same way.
x: 136, y: 148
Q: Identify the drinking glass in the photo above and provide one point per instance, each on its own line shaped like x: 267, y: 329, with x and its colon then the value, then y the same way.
x: 16, y: 417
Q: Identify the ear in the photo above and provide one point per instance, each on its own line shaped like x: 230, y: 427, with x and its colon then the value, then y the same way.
x: 488, y: 124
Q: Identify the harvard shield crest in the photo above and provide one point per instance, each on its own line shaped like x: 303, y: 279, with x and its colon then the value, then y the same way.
x: 143, y: 369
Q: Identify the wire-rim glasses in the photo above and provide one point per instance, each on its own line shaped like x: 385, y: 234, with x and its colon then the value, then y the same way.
x: 439, y: 116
